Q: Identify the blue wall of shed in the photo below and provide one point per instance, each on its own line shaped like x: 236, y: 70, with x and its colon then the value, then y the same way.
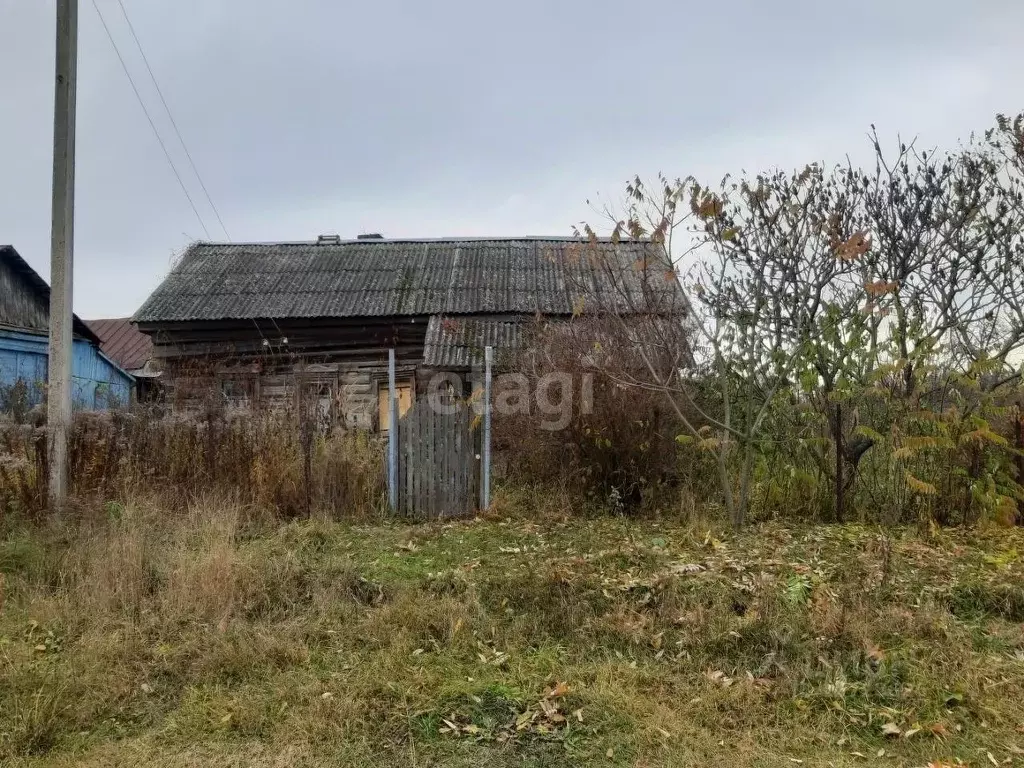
x: 96, y: 383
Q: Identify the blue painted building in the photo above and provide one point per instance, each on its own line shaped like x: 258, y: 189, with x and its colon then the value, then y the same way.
x: 97, y: 382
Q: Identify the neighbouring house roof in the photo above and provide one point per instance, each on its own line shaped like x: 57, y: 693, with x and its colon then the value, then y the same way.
x: 459, y: 342
x: 123, y: 342
x: 13, y: 260
x: 384, y: 278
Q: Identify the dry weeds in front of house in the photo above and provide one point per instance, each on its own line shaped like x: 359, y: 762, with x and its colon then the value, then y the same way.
x: 266, y: 459
x: 203, y: 634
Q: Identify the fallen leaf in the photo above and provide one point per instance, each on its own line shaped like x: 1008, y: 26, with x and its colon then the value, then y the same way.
x: 558, y: 691
x: 891, y: 730
x: 687, y: 568
x: 719, y: 677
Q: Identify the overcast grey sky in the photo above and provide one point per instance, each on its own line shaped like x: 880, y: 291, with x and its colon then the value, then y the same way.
x: 460, y: 117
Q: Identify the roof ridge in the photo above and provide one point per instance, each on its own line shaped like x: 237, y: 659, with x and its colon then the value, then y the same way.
x: 392, y: 240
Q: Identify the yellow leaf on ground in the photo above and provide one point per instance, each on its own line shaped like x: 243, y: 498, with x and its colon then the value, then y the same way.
x: 560, y: 689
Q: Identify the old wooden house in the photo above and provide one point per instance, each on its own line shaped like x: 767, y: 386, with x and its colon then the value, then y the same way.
x: 245, y: 322
x: 97, y: 381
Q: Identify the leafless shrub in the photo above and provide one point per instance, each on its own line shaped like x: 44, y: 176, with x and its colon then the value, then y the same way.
x: 617, y: 446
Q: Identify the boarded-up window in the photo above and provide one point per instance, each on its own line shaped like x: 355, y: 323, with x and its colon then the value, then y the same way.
x: 403, y: 389
x: 238, y: 390
x: 320, y: 405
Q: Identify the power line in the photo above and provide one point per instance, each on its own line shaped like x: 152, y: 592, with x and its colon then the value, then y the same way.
x: 150, y: 119
x: 163, y: 101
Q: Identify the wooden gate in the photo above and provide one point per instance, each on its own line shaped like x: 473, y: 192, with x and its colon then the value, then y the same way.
x: 437, y: 462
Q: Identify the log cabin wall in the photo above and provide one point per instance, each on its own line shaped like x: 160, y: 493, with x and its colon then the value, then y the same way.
x: 337, y: 365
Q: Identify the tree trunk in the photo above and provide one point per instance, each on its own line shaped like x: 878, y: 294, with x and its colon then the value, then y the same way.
x: 725, y: 481
x: 837, y: 437
x: 1018, y: 433
x: 973, y: 473
x: 740, y: 514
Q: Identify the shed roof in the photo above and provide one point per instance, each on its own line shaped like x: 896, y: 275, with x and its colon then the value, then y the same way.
x: 123, y: 342
x: 383, y: 278
x: 456, y: 343
x: 10, y: 257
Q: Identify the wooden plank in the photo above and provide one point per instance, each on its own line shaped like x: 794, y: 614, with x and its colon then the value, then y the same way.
x: 470, y: 465
x: 418, y: 462
x: 399, y: 430
x: 449, y: 445
x: 439, y: 464
x: 449, y: 467
x: 402, y: 438
x: 407, y: 459
x: 431, y: 466
x: 444, y: 444
x: 468, y: 462
x: 456, y: 509
x: 416, y: 465
x: 440, y: 445
x: 457, y: 463
x: 407, y: 464
x: 477, y: 445
x: 460, y: 427
x: 426, y: 455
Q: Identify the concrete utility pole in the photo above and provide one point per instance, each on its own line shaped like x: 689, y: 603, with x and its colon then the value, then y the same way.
x: 62, y: 235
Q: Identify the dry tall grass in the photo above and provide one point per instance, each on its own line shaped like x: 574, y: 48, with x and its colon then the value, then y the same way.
x: 204, y: 633
x: 266, y: 459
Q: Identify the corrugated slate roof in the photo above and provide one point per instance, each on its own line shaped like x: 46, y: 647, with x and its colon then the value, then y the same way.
x: 454, y: 343
x: 380, y: 278
x: 122, y: 342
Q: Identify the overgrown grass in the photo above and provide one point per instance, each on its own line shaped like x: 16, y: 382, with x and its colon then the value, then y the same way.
x: 272, y: 459
x: 210, y: 635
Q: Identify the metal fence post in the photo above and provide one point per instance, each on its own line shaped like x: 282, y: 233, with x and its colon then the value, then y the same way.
x: 485, y: 470
x: 392, y: 434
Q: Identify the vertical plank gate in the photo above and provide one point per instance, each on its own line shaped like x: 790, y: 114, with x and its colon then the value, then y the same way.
x: 437, y: 463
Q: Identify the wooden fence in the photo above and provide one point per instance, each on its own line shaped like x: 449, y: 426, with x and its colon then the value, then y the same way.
x: 437, y: 473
